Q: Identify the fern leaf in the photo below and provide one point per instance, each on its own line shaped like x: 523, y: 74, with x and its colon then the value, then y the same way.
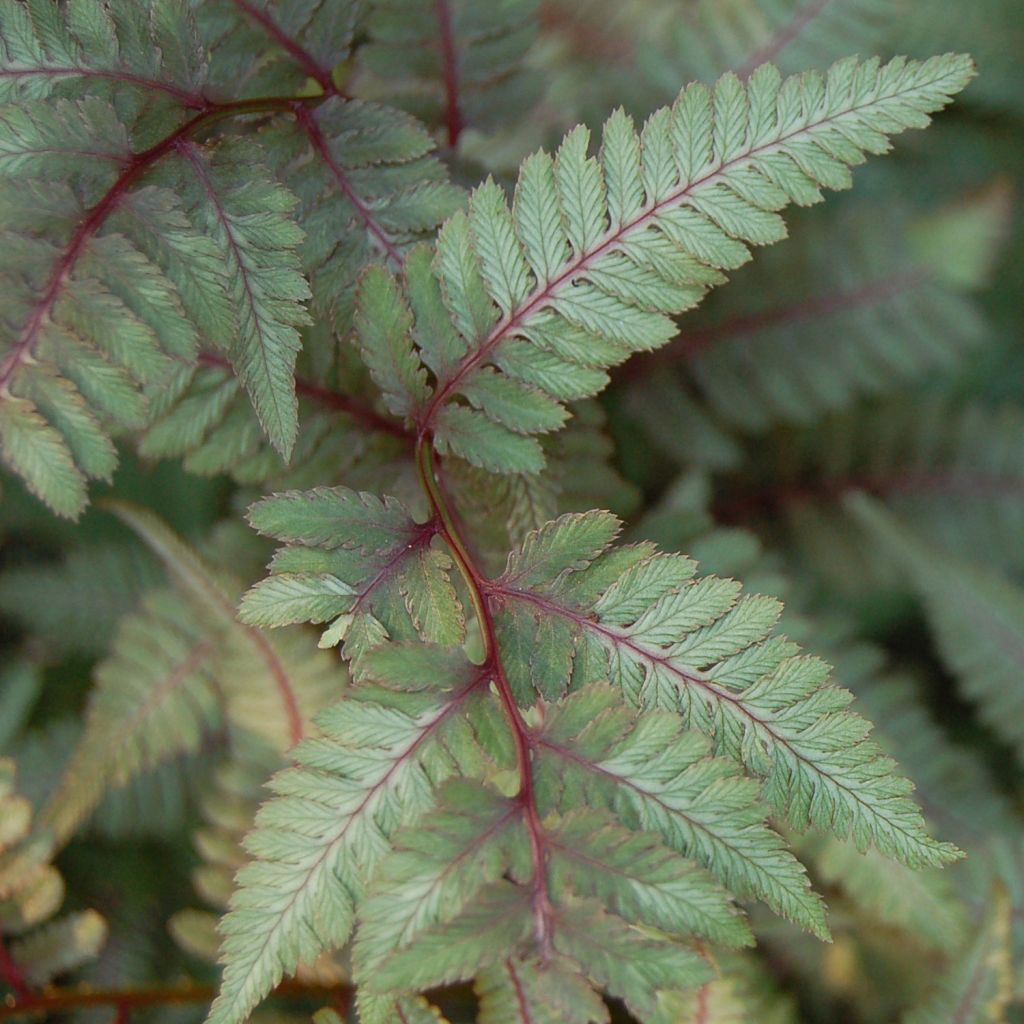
x: 31, y: 891
x: 625, y: 961
x: 642, y: 880
x: 247, y: 217
x: 266, y: 49
x: 180, y: 670
x: 60, y: 946
x: 409, y: 1009
x: 489, y: 928
x: 976, y: 616
x: 434, y: 871
x: 711, y: 37
x: 372, y: 189
x: 154, y: 698
x: 695, y: 647
x: 328, y: 827
x: 714, y: 170
x: 978, y: 988
x: 358, y: 562
x: 660, y: 780
x: 886, y: 309
x: 951, y: 467
x: 108, y: 579
x: 922, y: 903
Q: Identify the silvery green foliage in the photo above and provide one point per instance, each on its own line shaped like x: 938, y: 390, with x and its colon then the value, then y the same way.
x: 562, y: 780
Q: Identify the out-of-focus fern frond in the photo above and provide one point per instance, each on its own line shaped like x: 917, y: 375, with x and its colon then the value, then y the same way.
x: 955, y: 469
x: 31, y: 891
x: 181, y: 671
x: 453, y: 63
x: 795, y: 337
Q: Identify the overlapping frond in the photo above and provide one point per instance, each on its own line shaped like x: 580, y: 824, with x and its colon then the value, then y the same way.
x: 181, y: 671
x: 710, y: 37
x: 979, y: 986
x: 363, y: 565
x: 135, y: 242
x: 127, y: 50
x: 951, y: 467
x: 48, y: 599
x: 373, y: 769
x: 264, y: 48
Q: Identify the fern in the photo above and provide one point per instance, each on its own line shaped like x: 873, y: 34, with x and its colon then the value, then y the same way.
x: 130, y: 276
x: 949, y: 466
x: 527, y: 765
x: 978, y: 989
x: 715, y: 37
x: 180, y: 672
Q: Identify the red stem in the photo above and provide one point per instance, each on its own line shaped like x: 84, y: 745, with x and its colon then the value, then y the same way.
x: 12, y: 974
x: 319, y: 143
x: 450, y: 69
x: 302, y: 56
x: 478, y: 585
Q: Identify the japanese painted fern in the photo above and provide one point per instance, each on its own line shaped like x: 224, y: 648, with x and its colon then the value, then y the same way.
x: 550, y: 763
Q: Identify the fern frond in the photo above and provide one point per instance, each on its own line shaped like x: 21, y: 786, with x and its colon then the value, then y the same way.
x: 711, y: 37
x: 976, y: 616
x: 362, y: 565
x: 48, y: 598
x: 369, y: 188
x: 181, y: 670
x: 118, y: 47
x: 550, y: 993
x: 596, y: 253
x: 329, y: 826
x: 453, y: 64
x: 247, y: 218
x: 953, y: 468
x: 695, y: 646
x: 31, y: 891
x: 921, y: 903
x: 260, y: 48
x: 978, y: 987
x: 658, y: 779
x: 131, y: 276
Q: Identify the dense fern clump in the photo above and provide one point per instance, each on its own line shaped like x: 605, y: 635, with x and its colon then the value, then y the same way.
x: 383, y: 450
